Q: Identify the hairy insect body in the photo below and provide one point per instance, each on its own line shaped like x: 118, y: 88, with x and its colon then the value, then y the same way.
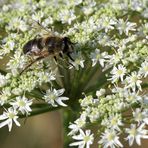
x: 53, y: 45
x: 46, y: 46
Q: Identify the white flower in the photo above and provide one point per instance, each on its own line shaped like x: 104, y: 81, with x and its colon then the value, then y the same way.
x: 107, y: 23
x: 136, y: 134
x: 133, y: 57
x: 97, y: 56
x: 145, y: 99
x: 78, y: 62
x: 140, y: 115
x: 115, y: 58
x: 104, y: 40
x: 144, y: 68
x: 67, y: 16
x: 136, y: 5
x: 113, y: 122
x: 93, y: 113
x: 17, y: 24
x: 77, y: 125
x: 132, y: 97
x: 3, y: 80
x: 9, y: 116
x: 85, y: 139
x: 22, y: 104
x: 47, y: 21
x: 143, y: 29
x: 6, y: 48
x: 6, y: 7
x: 110, y: 139
x: 133, y: 81
x: 17, y: 91
x: 77, y: 2
x: 45, y: 77
x: 125, y: 26
x: 38, y: 16
x: 17, y: 61
x: 100, y: 92
x: 53, y: 96
x: 88, y: 8
x: 87, y: 101
x: 145, y: 13
x: 118, y: 73
x: 4, y: 95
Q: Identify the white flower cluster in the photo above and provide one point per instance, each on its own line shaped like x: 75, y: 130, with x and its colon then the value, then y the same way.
x: 106, y: 111
x: 109, y: 66
x: 9, y: 116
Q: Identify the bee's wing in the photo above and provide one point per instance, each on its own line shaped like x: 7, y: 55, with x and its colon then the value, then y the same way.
x: 40, y: 28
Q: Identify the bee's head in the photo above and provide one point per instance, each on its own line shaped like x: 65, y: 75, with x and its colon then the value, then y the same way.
x: 26, y: 49
x: 66, y: 39
x: 28, y: 46
x: 68, y: 45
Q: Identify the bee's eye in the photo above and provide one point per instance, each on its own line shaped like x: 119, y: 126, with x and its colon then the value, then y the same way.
x: 66, y: 39
x: 26, y: 49
x: 28, y: 46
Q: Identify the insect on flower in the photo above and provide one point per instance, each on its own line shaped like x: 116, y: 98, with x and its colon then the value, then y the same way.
x: 47, y: 45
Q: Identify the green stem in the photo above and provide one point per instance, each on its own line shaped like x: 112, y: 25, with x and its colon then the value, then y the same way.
x: 88, y: 76
x: 99, y: 83
x: 35, y: 93
x: 74, y: 85
x: 64, y: 78
x: 145, y: 85
x: 42, y: 110
x: 84, y: 77
x: 56, y: 85
x: 3, y: 72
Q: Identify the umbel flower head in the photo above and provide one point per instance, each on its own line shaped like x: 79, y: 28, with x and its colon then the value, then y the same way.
x: 88, y: 58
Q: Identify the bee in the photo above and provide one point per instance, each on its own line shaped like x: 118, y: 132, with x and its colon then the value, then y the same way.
x: 43, y: 47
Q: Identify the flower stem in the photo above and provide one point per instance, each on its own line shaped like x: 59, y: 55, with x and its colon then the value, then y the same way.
x: 41, y: 108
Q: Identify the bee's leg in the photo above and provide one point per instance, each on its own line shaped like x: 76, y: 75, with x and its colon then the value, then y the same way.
x: 71, y: 64
x: 61, y: 55
x: 68, y: 54
x: 55, y: 59
x: 37, y: 59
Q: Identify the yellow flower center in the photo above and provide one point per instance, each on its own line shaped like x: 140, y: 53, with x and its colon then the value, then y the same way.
x: 130, y: 98
x: 11, y: 115
x: 80, y: 123
x: 52, y: 96
x: 119, y: 72
x: 110, y: 137
x: 86, y: 138
x: 114, y: 121
x: 21, y: 103
x: 139, y: 116
x: 146, y: 68
x: 134, y: 79
x: 97, y: 56
x: 133, y: 132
